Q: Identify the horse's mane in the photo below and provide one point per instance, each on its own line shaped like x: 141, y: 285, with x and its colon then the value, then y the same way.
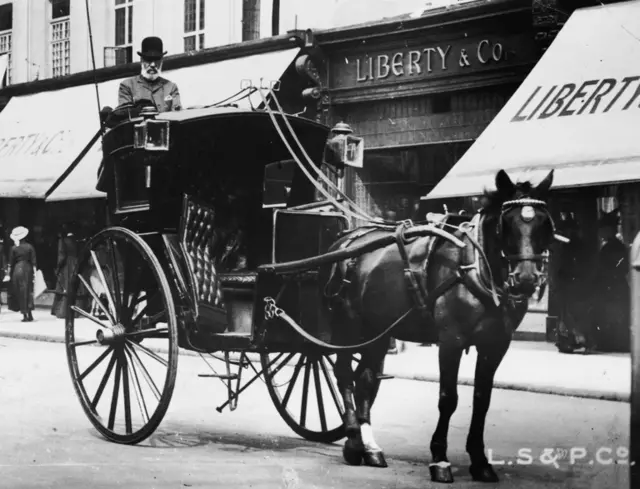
x: 493, y: 200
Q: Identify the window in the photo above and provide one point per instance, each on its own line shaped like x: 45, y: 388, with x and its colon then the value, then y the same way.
x: 6, y: 24
x: 59, y: 8
x: 193, y: 25
x: 60, y: 38
x: 124, y: 31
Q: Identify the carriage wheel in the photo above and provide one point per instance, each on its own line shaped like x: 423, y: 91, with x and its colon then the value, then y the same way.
x: 304, y: 390
x: 123, y: 358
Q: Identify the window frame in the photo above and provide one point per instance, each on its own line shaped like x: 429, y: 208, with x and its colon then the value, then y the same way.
x: 60, y: 44
x: 194, y: 33
x: 127, y: 45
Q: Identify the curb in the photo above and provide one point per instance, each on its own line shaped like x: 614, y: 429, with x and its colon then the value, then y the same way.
x: 504, y: 385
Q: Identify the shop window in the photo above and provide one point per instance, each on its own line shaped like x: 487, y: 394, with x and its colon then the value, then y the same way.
x: 193, y: 25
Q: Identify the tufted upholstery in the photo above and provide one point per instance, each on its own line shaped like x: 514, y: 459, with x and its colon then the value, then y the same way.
x: 239, y: 279
x: 197, y: 239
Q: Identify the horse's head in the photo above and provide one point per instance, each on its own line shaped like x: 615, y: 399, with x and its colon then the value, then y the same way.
x: 524, y: 231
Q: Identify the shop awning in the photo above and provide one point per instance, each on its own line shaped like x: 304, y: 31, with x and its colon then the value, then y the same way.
x: 577, y: 112
x: 42, y: 134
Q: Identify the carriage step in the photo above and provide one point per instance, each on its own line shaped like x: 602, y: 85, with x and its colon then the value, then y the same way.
x: 220, y: 376
x: 385, y: 376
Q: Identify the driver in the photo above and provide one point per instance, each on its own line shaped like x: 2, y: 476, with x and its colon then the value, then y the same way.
x: 149, y: 85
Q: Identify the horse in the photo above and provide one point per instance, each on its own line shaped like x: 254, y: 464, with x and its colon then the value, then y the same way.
x: 451, y: 296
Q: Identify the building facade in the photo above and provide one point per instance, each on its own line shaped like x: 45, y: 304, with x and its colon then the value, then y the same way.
x: 420, y: 91
x: 50, y: 38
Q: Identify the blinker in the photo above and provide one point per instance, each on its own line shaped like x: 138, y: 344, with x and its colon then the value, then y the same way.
x: 527, y: 213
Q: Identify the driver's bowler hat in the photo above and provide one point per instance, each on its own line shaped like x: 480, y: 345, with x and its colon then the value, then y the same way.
x: 151, y: 49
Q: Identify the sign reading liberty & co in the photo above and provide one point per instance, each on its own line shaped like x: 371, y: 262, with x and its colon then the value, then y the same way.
x: 438, y: 58
x: 384, y: 66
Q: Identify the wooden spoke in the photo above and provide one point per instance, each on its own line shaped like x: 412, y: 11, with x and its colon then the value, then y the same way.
x: 148, y: 352
x: 332, y: 388
x: 116, y: 392
x: 305, y: 395
x: 97, y: 362
x: 125, y: 392
x: 97, y: 299
x: 83, y: 343
x: 142, y: 405
x: 151, y: 332
x: 103, y: 383
x: 146, y: 374
x: 105, y: 284
x: 292, y: 382
x: 84, y: 313
x: 316, y: 377
x: 115, y: 277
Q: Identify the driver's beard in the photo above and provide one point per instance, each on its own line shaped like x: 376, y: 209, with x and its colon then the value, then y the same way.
x: 149, y: 76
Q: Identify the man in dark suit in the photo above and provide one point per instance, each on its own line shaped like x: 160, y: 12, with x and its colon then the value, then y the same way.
x: 149, y: 85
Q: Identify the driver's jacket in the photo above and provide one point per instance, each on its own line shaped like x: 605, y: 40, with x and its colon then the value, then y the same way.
x: 162, y: 92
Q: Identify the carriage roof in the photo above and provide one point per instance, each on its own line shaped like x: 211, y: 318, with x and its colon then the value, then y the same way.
x: 205, y: 144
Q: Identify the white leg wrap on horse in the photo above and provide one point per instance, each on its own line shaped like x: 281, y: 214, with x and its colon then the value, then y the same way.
x: 367, y: 438
x: 444, y: 465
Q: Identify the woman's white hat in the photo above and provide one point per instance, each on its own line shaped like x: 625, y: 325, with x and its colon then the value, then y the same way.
x: 19, y: 233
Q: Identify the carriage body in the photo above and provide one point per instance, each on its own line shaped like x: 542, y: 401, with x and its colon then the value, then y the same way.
x: 205, y: 168
x: 202, y: 203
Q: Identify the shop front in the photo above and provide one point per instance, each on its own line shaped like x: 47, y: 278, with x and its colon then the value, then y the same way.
x: 420, y: 92
x: 577, y: 112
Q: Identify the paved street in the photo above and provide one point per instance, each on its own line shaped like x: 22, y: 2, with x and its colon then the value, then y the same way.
x: 48, y: 442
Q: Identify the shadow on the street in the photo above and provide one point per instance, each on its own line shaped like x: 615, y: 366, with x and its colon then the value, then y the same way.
x: 179, y: 436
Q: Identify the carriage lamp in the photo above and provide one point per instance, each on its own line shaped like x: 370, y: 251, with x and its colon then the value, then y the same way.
x: 343, y: 148
x: 151, y: 134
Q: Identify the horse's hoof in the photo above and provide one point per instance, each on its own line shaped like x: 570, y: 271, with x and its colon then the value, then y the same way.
x: 441, y: 472
x: 483, y: 474
x: 353, y: 452
x: 374, y: 459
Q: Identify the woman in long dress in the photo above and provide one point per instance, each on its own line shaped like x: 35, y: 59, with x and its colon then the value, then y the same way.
x: 22, y: 265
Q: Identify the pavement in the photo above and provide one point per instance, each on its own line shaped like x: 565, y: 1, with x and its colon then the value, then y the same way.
x: 527, y: 366
x: 533, y: 440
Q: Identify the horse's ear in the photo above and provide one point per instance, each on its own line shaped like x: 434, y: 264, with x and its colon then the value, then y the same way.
x: 544, y: 186
x: 504, y: 184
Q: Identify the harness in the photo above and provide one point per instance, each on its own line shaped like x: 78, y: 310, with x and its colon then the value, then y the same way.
x: 476, y: 274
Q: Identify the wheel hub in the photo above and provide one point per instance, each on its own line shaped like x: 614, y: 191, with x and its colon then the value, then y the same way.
x: 112, y: 335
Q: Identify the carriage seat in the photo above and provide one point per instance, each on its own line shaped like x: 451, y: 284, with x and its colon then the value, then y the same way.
x: 224, y: 298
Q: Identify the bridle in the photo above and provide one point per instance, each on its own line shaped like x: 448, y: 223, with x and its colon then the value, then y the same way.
x: 528, y: 207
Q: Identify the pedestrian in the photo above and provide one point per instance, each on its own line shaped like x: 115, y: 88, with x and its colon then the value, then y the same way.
x: 65, y: 267
x: 611, y: 307
x: 573, y: 282
x: 3, y: 265
x: 22, y: 268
